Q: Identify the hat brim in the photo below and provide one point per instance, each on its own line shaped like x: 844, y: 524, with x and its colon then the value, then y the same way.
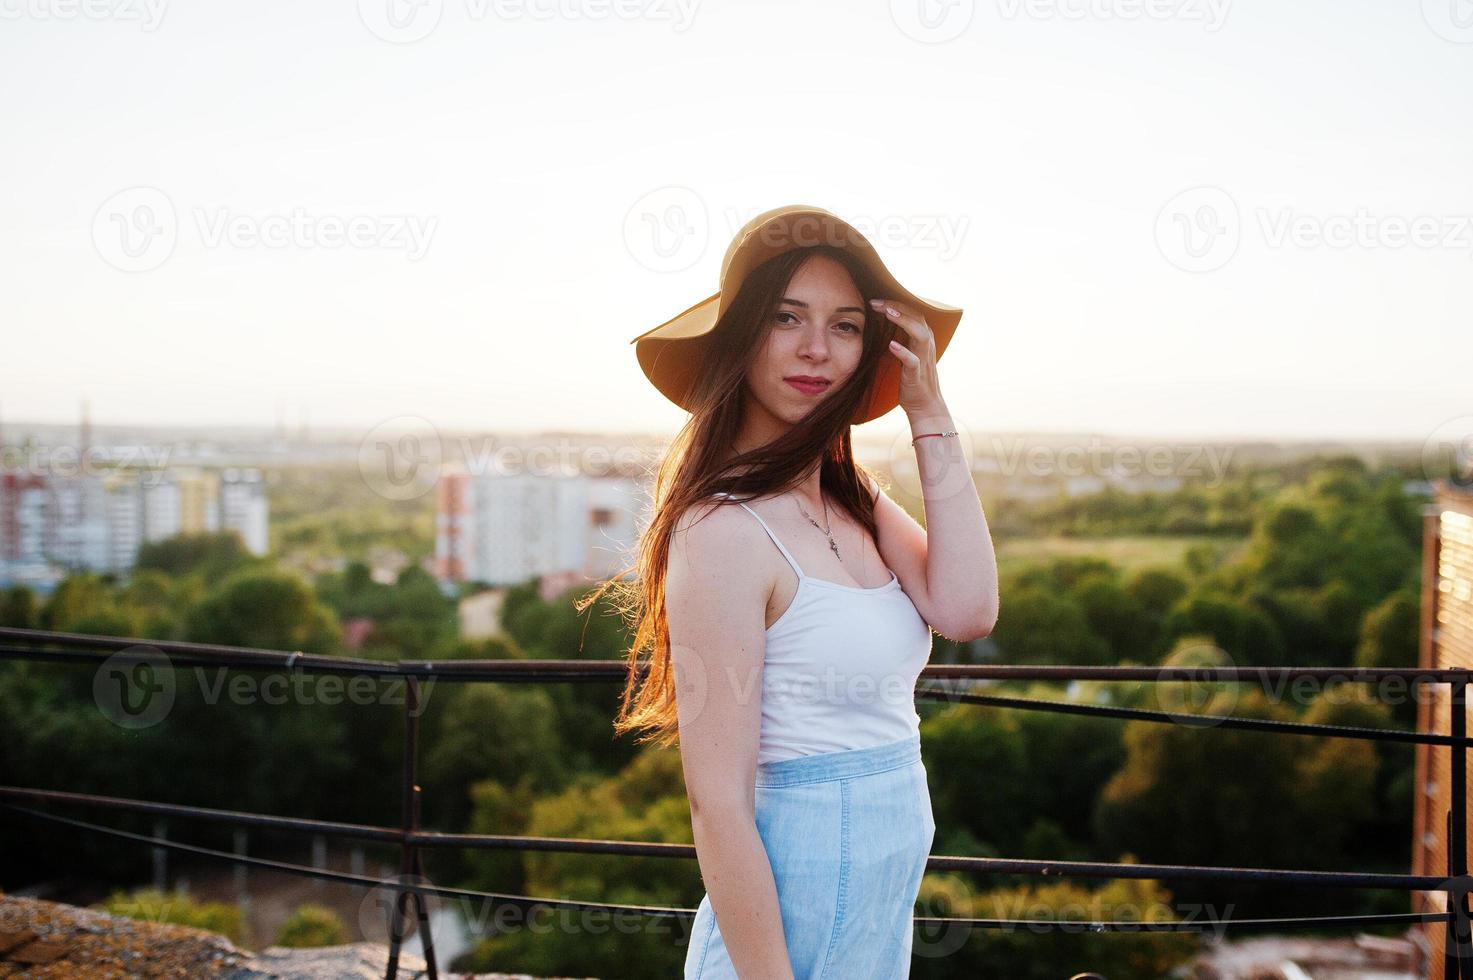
x: 671, y: 354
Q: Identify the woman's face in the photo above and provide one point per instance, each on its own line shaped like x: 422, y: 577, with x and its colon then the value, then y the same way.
x: 817, y: 332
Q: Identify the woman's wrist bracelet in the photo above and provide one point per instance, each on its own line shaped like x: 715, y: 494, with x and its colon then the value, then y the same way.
x: 928, y: 434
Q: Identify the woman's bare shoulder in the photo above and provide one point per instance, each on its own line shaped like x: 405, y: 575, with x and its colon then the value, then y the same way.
x: 715, y: 523
x: 711, y: 557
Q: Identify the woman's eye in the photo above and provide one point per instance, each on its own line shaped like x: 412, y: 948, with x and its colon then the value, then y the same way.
x: 782, y: 313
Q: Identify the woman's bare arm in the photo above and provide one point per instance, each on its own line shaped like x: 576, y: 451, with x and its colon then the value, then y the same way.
x: 949, y: 567
x: 716, y: 598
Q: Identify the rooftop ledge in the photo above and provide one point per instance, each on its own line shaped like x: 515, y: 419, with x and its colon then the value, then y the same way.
x: 54, y: 941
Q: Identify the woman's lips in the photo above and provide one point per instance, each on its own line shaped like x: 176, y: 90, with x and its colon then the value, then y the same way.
x: 807, y: 387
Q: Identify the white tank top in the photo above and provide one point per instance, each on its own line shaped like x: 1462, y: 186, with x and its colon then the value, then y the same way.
x: 840, y: 668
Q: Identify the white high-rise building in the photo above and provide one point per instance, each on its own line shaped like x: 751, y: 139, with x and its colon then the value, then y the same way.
x: 123, y: 518
x: 79, y: 531
x: 243, y: 507
x: 97, y: 522
x: 161, y: 508
x: 506, y: 529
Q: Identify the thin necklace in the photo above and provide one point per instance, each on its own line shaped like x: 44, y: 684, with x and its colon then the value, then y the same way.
x: 832, y: 544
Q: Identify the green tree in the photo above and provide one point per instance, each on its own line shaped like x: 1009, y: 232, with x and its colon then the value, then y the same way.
x: 212, y: 554
x: 488, y: 731
x: 1245, y: 633
x: 75, y: 598
x: 19, y: 609
x: 555, y: 630
x: 1115, y: 616
x: 497, y: 808
x: 1203, y: 794
x: 1043, y: 627
x: 1389, y: 634
x: 983, y: 796
x: 152, y: 905
x: 1156, y: 590
x: 157, y: 600
x: 267, y: 609
x: 312, y: 925
x: 1290, y: 547
x: 644, y: 802
x: 1023, y: 953
x: 1070, y: 759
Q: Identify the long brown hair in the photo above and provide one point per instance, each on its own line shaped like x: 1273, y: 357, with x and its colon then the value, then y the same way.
x: 695, y: 467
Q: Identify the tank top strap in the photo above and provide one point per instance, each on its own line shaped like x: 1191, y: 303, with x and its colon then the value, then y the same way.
x: 791, y: 561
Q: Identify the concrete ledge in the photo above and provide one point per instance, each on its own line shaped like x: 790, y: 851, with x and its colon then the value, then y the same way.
x: 54, y: 941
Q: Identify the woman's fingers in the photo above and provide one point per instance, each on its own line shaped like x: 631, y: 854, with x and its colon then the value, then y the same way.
x: 903, y: 316
x: 906, y: 355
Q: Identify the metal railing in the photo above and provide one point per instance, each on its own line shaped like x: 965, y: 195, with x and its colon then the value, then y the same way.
x: 81, y: 650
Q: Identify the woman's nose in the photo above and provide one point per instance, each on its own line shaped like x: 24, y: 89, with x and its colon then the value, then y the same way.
x: 815, y: 343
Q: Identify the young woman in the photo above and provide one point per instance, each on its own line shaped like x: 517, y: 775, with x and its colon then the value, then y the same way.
x: 787, y: 602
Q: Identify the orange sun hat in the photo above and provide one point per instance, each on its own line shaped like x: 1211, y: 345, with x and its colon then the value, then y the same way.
x: 670, y: 354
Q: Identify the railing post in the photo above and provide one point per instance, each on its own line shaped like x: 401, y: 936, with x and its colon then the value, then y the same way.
x: 1455, y: 944
x: 161, y: 855
x: 242, y: 872
x: 409, y: 862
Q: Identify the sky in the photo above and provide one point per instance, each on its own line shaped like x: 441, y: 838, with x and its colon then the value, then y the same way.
x: 1174, y: 218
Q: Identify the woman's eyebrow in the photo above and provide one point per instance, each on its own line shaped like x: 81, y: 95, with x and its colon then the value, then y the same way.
x: 842, y: 309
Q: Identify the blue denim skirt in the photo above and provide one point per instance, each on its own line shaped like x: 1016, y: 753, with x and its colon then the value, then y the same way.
x: 847, y: 834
